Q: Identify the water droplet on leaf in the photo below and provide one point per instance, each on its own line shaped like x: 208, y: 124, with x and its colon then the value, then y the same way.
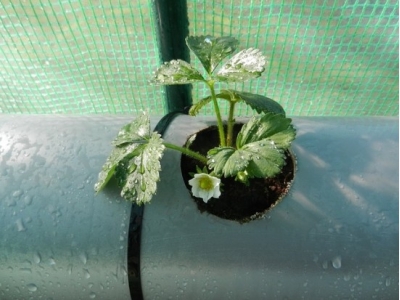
x: 143, y: 186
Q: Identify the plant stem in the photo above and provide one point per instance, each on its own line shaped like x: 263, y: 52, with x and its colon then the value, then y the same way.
x: 221, y: 132
x: 231, y: 122
x: 187, y: 152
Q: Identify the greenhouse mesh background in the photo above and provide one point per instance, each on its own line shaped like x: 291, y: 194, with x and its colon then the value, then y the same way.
x: 332, y: 57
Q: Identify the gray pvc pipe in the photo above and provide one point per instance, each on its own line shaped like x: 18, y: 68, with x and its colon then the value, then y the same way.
x: 57, y: 239
x: 335, y: 236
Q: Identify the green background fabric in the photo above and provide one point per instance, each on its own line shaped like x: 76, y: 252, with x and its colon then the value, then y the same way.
x: 337, y: 58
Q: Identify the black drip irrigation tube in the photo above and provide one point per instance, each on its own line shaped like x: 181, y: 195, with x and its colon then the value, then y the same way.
x: 172, y: 28
x: 135, y: 224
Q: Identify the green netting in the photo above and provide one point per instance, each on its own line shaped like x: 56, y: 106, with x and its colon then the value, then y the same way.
x: 77, y: 57
x: 325, y: 57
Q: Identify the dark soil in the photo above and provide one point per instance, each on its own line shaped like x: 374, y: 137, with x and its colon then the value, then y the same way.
x: 237, y: 202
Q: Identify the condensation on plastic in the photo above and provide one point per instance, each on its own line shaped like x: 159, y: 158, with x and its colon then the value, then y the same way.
x: 335, y: 236
x: 59, y: 240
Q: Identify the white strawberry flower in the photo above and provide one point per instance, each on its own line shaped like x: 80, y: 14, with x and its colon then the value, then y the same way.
x: 205, y: 186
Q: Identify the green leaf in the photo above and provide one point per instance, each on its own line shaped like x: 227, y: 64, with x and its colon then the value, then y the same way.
x: 257, y: 102
x: 176, y: 72
x: 259, y: 159
x: 247, y: 64
x: 135, y: 161
x: 274, y: 127
x: 128, y: 140
x: 195, y: 108
x: 137, y: 131
x: 138, y: 175
x: 108, y: 169
x: 267, y: 160
x: 211, y: 50
x: 260, y: 148
x: 260, y: 103
x: 228, y: 95
x: 227, y: 161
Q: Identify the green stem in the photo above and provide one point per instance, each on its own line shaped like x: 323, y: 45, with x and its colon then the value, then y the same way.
x: 231, y: 122
x: 187, y: 152
x: 221, y: 132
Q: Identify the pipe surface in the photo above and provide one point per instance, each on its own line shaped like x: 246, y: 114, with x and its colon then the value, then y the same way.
x: 58, y: 240
x: 334, y: 236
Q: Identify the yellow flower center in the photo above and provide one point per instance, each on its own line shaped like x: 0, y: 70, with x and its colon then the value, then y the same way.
x: 206, y: 183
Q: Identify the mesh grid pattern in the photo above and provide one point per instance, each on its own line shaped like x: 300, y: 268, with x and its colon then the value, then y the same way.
x: 76, y: 57
x: 325, y: 57
x: 335, y: 57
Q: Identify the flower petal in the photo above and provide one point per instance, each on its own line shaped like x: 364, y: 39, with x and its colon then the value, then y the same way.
x: 193, y: 182
x: 205, y: 186
x: 205, y: 195
x: 217, y: 193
